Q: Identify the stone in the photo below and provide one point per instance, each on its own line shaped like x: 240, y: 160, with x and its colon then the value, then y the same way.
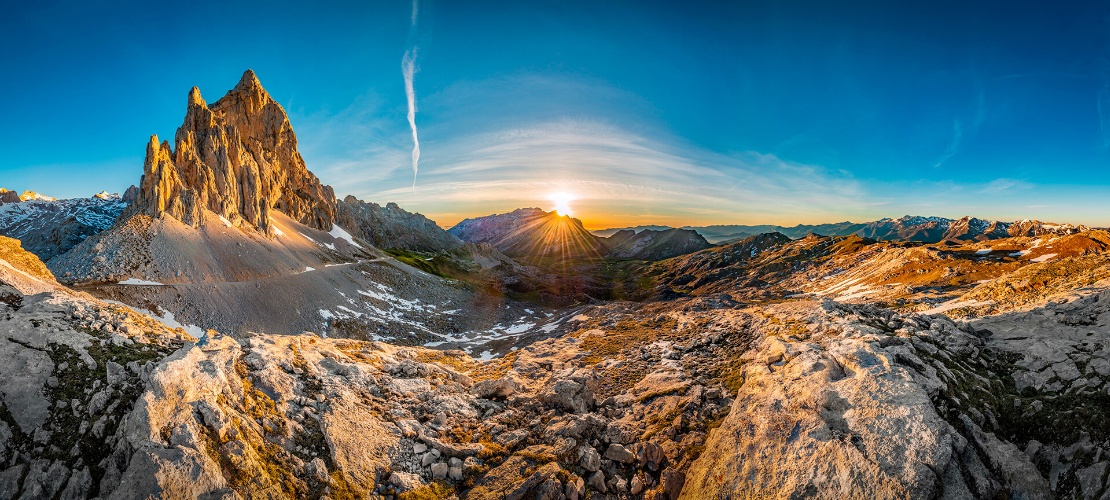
x: 317, y: 470
x: 419, y: 448
x: 455, y: 473
x: 440, y: 470
x: 1090, y: 479
x: 405, y: 481
x: 649, y: 455
x: 569, y: 395
x: 637, y: 485
x: 619, y: 453
x: 597, y: 482
x: 591, y: 459
x: 498, y: 388
x: 673, y: 481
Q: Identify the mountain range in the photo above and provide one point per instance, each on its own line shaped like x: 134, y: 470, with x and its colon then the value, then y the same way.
x: 907, y: 228
x: 228, y: 328
x: 532, y: 234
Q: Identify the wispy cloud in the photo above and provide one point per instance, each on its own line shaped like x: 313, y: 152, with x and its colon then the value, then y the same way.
x: 953, y: 145
x: 978, y: 116
x: 623, y: 168
x: 408, y: 68
x: 615, y: 174
x: 1004, y: 185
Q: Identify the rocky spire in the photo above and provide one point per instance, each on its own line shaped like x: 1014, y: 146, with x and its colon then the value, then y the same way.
x: 238, y: 158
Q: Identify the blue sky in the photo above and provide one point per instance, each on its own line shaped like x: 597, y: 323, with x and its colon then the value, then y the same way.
x: 672, y: 113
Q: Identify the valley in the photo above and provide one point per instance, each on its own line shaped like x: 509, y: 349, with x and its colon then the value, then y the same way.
x: 230, y: 328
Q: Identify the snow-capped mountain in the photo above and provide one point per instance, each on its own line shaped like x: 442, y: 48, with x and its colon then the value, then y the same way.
x: 49, y: 227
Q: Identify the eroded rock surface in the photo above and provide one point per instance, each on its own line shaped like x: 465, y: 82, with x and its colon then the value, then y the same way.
x: 237, y: 158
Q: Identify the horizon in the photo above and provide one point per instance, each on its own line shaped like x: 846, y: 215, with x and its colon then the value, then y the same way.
x: 720, y: 114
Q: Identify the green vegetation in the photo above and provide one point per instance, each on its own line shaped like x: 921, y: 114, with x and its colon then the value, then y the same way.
x: 437, y: 264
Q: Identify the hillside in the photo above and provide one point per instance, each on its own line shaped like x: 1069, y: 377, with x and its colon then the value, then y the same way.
x: 237, y: 332
x: 253, y: 242
x: 49, y: 228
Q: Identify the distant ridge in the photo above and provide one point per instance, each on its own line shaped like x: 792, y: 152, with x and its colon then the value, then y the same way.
x: 532, y: 234
x: 906, y: 228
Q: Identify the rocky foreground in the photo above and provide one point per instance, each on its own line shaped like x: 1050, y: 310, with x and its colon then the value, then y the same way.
x: 695, y: 398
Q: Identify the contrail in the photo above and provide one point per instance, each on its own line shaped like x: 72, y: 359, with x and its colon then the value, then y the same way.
x: 408, y: 68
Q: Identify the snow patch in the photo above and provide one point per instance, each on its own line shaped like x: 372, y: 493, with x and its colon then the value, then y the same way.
x: 339, y: 234
x: 983, y: 251
x: 519, y: 328
x: 1043, y: 258
x: 485, y: 356
x: 136, y: 281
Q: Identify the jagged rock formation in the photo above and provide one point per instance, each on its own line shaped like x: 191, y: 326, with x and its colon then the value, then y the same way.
x: 51, y: 228
x: 29, y: 195
x: 872, y: 405
x: 795, y: 396
x: 908, y: 228
x: 7, y: 196
x: 970, y: 228
x: 1038, y: 228
x: 392, y: 227
x: 131, y: 194
x: 654, y: 245
x: 237, y: 158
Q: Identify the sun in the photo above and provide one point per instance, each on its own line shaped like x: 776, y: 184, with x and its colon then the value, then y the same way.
x: 562, y: 202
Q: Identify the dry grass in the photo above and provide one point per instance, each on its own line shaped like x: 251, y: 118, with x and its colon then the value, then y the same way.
x: 460, y: 363
x: 1036, y: 282
x: 493, y: 369
x: 626, y: 335
x: 432, y: 491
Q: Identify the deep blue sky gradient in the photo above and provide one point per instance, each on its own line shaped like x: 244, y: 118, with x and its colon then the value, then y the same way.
x: 1001, y: 109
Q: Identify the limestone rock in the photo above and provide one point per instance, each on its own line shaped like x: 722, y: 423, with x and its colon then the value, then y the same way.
x: 236, y: 157
x: 619, y: 453
x: 7, y: 196
x: 393, y: 227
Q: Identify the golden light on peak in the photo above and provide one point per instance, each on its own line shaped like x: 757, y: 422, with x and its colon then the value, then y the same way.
x: 562, y: 202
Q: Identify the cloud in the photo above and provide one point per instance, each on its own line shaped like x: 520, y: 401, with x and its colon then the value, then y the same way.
x: 953, y: 145
x: 616, y: 174
x: 1004, y: 185
x: 408, y: 69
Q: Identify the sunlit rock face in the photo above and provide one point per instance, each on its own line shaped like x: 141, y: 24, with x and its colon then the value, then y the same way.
x: 237, y: 158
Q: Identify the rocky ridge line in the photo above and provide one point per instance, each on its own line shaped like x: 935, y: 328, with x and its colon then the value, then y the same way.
x: 236, y: 157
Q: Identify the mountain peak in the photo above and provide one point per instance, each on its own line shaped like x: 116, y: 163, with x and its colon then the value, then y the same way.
x: 195, y: 99
x: 249, y: 80
x: 237, y: 158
